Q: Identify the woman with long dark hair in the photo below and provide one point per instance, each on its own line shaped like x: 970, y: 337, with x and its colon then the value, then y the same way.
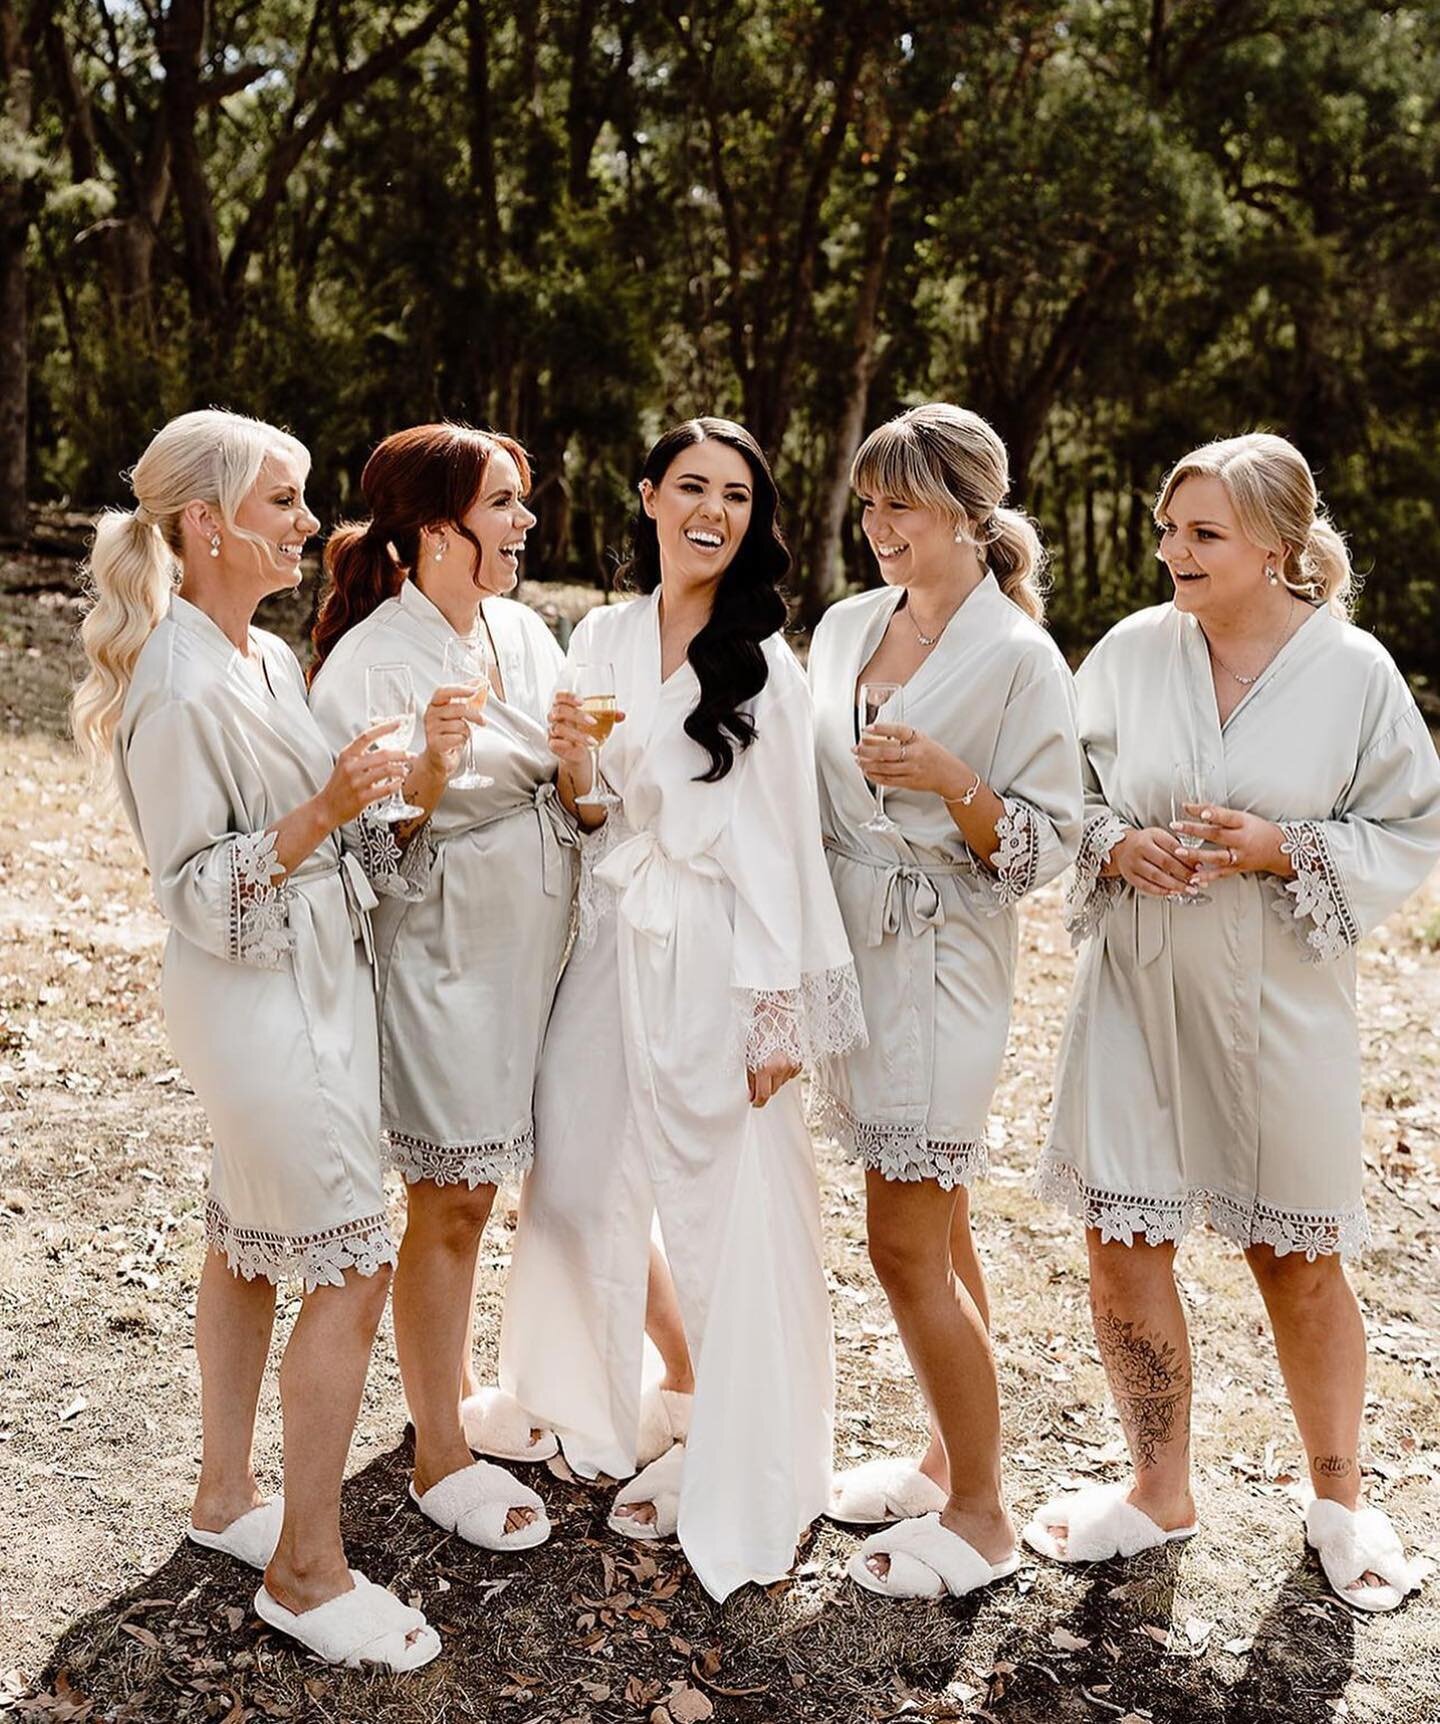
x: 477, y: 890
x: 712, y: 964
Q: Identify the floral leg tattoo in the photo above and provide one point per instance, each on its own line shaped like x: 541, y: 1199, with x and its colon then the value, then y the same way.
x: 1151, y: 1385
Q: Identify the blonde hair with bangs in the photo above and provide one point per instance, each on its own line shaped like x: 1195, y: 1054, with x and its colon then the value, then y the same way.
x: 1276, y: 503
x: 949, y: 459
x: 210, y: 456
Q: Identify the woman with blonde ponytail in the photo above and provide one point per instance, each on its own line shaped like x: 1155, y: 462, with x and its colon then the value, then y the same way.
x: 1260, y: 792
x: 977, y: 756
x: 237, y: 804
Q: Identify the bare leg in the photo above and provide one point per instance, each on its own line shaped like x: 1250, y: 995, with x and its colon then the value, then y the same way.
x: 1320, y: 1342
x: 469, y: 1382
x: 321, y: 1379
x: 1140, y: 1329
x: 966, y: 1264
x: 434, y: 1303
x: 234, y: 1319
x: 665, y: 1326
x: 945, y: 1337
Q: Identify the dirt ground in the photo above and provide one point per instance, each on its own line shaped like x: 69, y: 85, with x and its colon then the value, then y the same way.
x: 106, y: 1613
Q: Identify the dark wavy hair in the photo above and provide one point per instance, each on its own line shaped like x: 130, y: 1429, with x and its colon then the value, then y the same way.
x: 728, y: 654
x: 427, y: 476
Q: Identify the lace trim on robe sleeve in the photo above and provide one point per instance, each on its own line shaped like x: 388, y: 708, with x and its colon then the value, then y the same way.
x: 1088, y: 897
x: 258, y: 906
x: 822, y: 1016
x: 595, y: 899
x: 1015, y: 863
x: 394, y: 872
x: 1316, y: 894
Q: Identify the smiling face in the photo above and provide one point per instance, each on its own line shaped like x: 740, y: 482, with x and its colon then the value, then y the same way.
x: 499, y: 520
x: 911, y: 542
x: 274, y: 512
x: 701, y: 509
x: 1214, y: 566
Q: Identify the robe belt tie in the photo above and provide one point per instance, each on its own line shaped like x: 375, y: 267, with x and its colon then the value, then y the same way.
x: 557, y: 835
x: 905, y: 894
x: 360, y: 897
x: 646, y: 880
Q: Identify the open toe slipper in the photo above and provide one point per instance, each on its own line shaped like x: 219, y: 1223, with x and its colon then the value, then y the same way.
x: 1099, y: 1524
x: 367, y: 1625
x: 927, y: 1560
x: 658, y: 1484
x: 496, y: 1424
x: 664, y: 1421
x: 1354, y: 1542
x: 250, y: 1538
x: 884, y: 1490
x: 475, y: 1502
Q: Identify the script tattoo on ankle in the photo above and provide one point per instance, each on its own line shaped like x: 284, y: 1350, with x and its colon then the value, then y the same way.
x: 1150, y: 1383
x: 1333, y: 1466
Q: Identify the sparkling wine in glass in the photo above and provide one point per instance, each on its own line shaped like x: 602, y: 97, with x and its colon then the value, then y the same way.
x: 873, y: 698
x: 595, y: 685
x: 467, y: 663
x: 390, y: 699
x: 1193, y: 781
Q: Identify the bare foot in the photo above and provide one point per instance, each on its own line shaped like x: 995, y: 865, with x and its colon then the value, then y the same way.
x: 214, y: 1510
x: 642, y: 1513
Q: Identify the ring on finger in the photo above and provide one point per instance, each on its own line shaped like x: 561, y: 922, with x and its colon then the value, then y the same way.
x: 1230, y: 852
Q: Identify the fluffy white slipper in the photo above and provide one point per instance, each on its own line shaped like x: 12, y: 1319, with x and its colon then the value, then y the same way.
x: 250, y: 1538
x: 475, y: 1502
x: 1100, y: 1524
x: 1350, y: 1542
x: 496, y: 1424
x: 368, y: 1625
x: 927, y: 1560
x: 659, y: 1484
x: 880, y: 1491
x: 664, y: 1421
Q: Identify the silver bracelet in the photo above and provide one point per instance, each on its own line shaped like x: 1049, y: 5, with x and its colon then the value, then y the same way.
x: 969, y: 796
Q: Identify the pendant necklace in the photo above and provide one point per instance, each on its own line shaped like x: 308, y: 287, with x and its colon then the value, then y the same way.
x: 924, y: 639
x: 1248, y: 681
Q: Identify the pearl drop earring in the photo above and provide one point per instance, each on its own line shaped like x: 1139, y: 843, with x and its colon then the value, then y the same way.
x: 440, y: 549
x: 1271, y: 576
x: 214, y: 544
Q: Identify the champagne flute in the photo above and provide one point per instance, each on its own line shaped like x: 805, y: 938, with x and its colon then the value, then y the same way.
x: 872, y: 699
x: 1193, y: 781
x: 390, y: 699
x: 595, y: 685
x: 467, y: 663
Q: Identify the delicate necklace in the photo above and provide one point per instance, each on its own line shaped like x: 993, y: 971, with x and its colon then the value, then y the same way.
x: 924, y: 639
x: 1248, y: 681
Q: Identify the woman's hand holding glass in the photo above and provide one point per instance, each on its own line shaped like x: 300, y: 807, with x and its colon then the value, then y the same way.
x: 575, y: 737
x: 1241, y: 843
x: 453, y: 708
x: 900, y: 757
x: 467, y: 673
x: 1154, y: 862
x: 365, y: 771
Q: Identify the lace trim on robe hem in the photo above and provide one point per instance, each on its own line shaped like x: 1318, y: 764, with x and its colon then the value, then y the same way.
x: 258, y: 910
x: 822, y: 1016
x: 503, y: 1161
x: 395, y: 872
x: 316, y: 1259
x: 1120, y: 1216
x: 899, y: 1152
x: 595, y: 899
x: 1088, y: 898
x: 1017, y: 860
x: 1316, y: 894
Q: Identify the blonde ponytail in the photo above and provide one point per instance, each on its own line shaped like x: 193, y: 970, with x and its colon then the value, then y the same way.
x: 212, y: 457
x: 130, y: 575
x: 948, y: 459
x: 1013, y: 550
x: 1321, y: 569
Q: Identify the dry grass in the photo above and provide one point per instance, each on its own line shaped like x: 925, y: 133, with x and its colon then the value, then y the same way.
x: 107, y: 1613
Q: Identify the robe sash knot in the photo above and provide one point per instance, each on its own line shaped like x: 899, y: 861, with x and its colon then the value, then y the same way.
x: 905, y: 894
x: 646, y: 880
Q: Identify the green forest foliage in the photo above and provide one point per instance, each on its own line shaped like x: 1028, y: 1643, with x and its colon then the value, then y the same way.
x: 1117, y: 228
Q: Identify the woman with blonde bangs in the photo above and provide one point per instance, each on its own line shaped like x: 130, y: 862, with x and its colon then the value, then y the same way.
x: 1261, y: 791
x: 237, y: 803
x: 980, y: 771
x: 477, y: 893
